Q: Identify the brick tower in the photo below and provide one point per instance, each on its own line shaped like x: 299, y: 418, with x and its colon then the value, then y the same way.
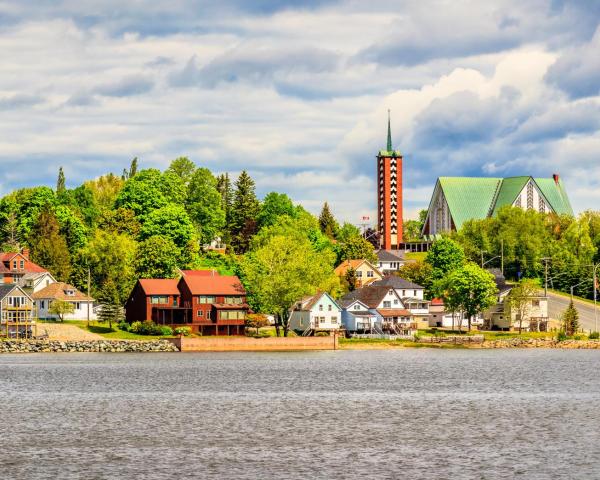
x: 389, y: 195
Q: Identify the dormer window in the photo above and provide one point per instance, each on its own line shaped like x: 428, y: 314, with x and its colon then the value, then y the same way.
x: 70, y: 293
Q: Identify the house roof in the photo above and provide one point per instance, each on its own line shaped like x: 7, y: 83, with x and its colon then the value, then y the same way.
x: 437, y: 302
x: 393, y: 312
x: 397, y: 282
x: 343, y: 267
x: 6, y: 288
x: 361, y: 313
x: 389, y: 255
x: 56, y: 291
x: 159, y: 286
x: 214, y: 285
x: 30, y: 267
x: 310, y: 301
x: 480, y: 197
x: 371, y: 295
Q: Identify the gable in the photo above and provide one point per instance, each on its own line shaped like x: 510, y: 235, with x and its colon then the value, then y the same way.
x: 555, y: 194
x: 324, y: 300
x: 391, y: 296
x: 357, y: 305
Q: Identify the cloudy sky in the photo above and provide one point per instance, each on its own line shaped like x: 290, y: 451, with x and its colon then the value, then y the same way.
x: 297, y: 92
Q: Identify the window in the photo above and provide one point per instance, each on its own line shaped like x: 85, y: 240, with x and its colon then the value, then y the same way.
x: 22, y: 264
x: 370, y: 274
x: 77, y: 306
x: 414, y: 293
x: 200, y: 313
x: 404, y: 293
x: 233, y: 300
x: 175, y: 301
x: 208, y: 315
x: 321, y: 319
x: 329, y: 308
x: 530, y: 195
x: 395, y: 301
x: 206, y: 299
x: 14, y: 264
x: 43, y: 304
x: 320, y: 307
x: 333, y: 319
x: 356, y: 307
x: 387, y: 304
x: 535, y: 303
x: 159, y: 299
x: 358, y: 274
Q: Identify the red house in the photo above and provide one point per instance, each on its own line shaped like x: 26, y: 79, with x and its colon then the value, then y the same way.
x: 207, y: 302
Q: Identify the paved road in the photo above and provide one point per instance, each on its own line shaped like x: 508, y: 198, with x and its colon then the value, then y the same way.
x: 557, y: 304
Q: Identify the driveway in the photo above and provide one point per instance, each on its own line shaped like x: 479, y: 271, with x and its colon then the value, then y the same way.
x: 64, y: 332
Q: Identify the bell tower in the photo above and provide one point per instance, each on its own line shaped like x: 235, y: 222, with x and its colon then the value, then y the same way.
x: 389, y: 194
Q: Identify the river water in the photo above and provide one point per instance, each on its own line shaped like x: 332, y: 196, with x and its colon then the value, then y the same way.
x: 415, y: 413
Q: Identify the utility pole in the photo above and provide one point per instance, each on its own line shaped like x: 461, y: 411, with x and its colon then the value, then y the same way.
x: 88, y: 294
x: 502, y: 255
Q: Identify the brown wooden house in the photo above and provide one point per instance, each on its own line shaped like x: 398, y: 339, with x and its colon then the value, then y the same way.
x: 207, y: 302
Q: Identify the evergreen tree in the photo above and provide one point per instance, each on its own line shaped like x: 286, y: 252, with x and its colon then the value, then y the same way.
x: 244, y: 211
x: 351, y: 279
x: 570, y: 319
x: 49, y: 247
x: 60, y: 183
x: 327, y: 222
x: 133, y: 167
x: 224, y: 188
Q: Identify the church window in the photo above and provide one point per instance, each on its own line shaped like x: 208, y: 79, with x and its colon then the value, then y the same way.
x: 530, y: 195
x: 542, y: 205
x: 518, y: 201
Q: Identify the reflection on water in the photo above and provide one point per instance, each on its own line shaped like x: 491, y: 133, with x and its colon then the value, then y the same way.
x: 347, y: 414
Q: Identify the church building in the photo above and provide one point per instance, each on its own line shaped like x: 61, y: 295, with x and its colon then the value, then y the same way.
x: 458, y: 199
x: 389, y: 195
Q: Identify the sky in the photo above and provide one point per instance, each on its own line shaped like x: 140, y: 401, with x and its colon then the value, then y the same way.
x: 297, y: 93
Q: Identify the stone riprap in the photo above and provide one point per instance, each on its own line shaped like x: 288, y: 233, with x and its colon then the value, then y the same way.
x: 113, y: 346
x: 540, y: 343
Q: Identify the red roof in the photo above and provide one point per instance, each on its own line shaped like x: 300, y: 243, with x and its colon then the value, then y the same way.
x: 159, y: 286
x: 214, y: 285
x: 28, y: 266
x: 398, y: 312
x: 437, y: 301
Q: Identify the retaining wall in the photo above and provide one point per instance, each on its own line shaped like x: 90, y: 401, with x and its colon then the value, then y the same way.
x: 224, y: 344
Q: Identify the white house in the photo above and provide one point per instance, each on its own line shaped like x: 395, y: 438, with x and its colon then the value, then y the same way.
x: 357, y: 317
x: 35, y: 281
x: 318, y: 312
x: 412, y: 295
x: 389, y: 260
x: 83, y: 305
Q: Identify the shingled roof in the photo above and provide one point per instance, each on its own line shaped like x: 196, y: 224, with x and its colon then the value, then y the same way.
x: 58, y: 291
x: 370, y: 295
x: 396, y: 283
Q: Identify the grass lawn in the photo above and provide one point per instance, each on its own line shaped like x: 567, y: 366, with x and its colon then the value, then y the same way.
x: 114, y: 333
x: 420, y: 256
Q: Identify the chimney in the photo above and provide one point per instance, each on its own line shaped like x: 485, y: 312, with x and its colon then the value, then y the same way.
x: 25, y: 253
x: 555, y: 177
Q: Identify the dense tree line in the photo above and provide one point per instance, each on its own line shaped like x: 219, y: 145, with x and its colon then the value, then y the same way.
x: 150, y: 223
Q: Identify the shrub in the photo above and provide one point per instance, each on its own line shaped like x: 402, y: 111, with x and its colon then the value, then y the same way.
x: 168, y: 331
x: 185, y: 331
x: 147, y: 328
x: 561, y: 336
x: 594, y: 336
x: 124, y: 326
x: 577, y: 337
x: 322, y: 334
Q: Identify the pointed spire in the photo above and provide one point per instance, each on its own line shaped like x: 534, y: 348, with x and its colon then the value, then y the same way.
x: 389, y: 138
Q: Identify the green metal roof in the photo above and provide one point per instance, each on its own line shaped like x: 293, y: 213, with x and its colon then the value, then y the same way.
x: 509, y: 189
x: 555, y: 194
x: 479, y: 197
x: 469, y: 197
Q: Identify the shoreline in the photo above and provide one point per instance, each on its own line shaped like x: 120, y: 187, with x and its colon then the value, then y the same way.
x: 164, y: 345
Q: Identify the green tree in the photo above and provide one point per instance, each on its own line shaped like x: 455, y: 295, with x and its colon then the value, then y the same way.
x: 570, y: 318
x: 49, y: 247
x: 327, y: 222
x: 357, y: 248
x: 111, y: 313
x: 111, y: 260
x: 420, y: 273
x: 184, y: 168
x: 244, y: 211
x: 204, y: 205
x: 224, y: 188
x: 60, y: 308
x: 411, y: 230
x: 133, y: 168
x: 469, y: 289
x: 275, y: 205
x: 172, y: 222
x: 71, y: 227
x: 444, y: 256
x: 105, y: 190
x: 60, y: 183
x: 519, y: 300
x: 120, y: 220
x: 281, y: 272
x: 351, y: 279
x: 157, y: 257
x: 347, y: 231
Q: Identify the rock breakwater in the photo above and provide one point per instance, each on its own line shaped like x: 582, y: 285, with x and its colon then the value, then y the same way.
x: 541, y: 343
x: 113, y: 346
